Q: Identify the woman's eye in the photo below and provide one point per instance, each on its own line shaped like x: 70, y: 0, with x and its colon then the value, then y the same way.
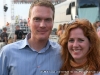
x: 70, y: 40
x: 80, y: 40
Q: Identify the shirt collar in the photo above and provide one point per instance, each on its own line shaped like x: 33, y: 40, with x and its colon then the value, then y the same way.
x: 25, y: 43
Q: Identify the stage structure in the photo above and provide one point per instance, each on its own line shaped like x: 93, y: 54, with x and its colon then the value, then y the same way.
x: 24, y: 27
x: 30, y: 1
x: 26, y: 2
x: 5, y: 8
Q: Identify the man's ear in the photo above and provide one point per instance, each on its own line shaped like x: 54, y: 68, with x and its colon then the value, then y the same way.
x: 28, y: 23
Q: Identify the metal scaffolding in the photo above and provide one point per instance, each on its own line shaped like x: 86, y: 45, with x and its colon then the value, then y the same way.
x: 4, y: 3
x: 25, y: 2
x: 12, y: 12
x: 30, y: 1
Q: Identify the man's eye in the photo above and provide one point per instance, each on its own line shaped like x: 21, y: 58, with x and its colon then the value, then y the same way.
x: 48, y: 20
x: 37, y: 19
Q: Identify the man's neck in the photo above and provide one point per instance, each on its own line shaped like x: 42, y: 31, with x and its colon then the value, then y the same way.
x: 4, y: 31
x: 36, y: 44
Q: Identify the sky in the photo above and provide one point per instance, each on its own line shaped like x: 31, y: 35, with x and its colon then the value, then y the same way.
x: 19, y: 10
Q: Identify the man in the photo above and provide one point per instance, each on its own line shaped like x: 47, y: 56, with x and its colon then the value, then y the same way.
x: 18, y: 34
x: 98, y: 23
x: 35, y: 55
x: 3, y: 38
x: 98, y: 32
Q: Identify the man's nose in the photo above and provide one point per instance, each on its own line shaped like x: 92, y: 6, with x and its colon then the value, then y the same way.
x: 42, y: 24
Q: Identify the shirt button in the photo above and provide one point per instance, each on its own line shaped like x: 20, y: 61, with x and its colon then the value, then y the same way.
x: 38, y: 66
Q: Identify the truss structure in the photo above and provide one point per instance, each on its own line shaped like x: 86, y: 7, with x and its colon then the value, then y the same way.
x: 30, y: 1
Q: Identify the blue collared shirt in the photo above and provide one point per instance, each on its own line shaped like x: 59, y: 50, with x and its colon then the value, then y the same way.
x: 19, y: 59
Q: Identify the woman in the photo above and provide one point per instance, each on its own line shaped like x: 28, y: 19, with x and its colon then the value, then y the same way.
x: 59, y: 30
x: 96, y: 24
x: 98, y: 32
x: 80, y: 49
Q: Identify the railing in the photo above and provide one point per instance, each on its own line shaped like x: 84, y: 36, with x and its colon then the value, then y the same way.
x: 54, y: 38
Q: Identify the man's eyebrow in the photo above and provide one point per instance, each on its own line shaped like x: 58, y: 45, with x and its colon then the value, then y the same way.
x: 41, y: 18
x: 36, y: 18
x: 48, y: 18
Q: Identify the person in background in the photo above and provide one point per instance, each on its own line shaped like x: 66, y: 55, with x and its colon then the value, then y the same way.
x: 59, y: 30
x: 10, y: 40
x: 96, y: 24
x: 80, y: 49
x: 64, y: 27
x: 19, y: 35
x: 98, y: 32
x: 3, y: 37
x: 36, y: 54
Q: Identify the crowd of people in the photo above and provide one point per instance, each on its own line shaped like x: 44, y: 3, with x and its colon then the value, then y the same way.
x: 4, y: 39
x: 76, y: 53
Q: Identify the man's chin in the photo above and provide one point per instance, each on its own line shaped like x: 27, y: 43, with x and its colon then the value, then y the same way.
x: 43, y: 39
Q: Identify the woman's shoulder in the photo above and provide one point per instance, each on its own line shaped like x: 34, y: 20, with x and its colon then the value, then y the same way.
x: 59, y: 32
x: 97, y: 73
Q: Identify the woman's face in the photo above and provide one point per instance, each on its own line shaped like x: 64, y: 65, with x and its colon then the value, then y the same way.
x: 98, y: 33
x: 78, y: 45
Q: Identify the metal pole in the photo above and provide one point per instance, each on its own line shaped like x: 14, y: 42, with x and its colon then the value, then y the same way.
x: 4, y: 2
x: 99, y: 10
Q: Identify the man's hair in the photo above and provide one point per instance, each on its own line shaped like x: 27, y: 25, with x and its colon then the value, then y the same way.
x: 4, y: 28
x: 45, y: 3
x: 17, y: 26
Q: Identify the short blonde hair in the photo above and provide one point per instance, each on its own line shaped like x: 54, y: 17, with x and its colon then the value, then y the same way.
x: 45, y: 3
x: 4, y: 28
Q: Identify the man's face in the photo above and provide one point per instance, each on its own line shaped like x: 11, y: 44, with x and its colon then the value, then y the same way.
x: 17, y: 27
x: 98, y: 33
x: 41, y: 22
x: 5, y: 29
x: 98, y: 24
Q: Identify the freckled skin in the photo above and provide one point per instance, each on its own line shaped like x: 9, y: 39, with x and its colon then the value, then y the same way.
x: 78, y: 45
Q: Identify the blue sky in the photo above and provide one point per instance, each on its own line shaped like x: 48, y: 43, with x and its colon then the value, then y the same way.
x: 19, y: 9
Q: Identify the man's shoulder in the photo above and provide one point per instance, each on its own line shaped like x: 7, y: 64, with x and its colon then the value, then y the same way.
x: 97, y: 73
x: 12, y: 46
x: 55, y: 48
x: 3, y: 33
x: 18, y: 30
x: 10, y: 49
x: 55, y: 45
